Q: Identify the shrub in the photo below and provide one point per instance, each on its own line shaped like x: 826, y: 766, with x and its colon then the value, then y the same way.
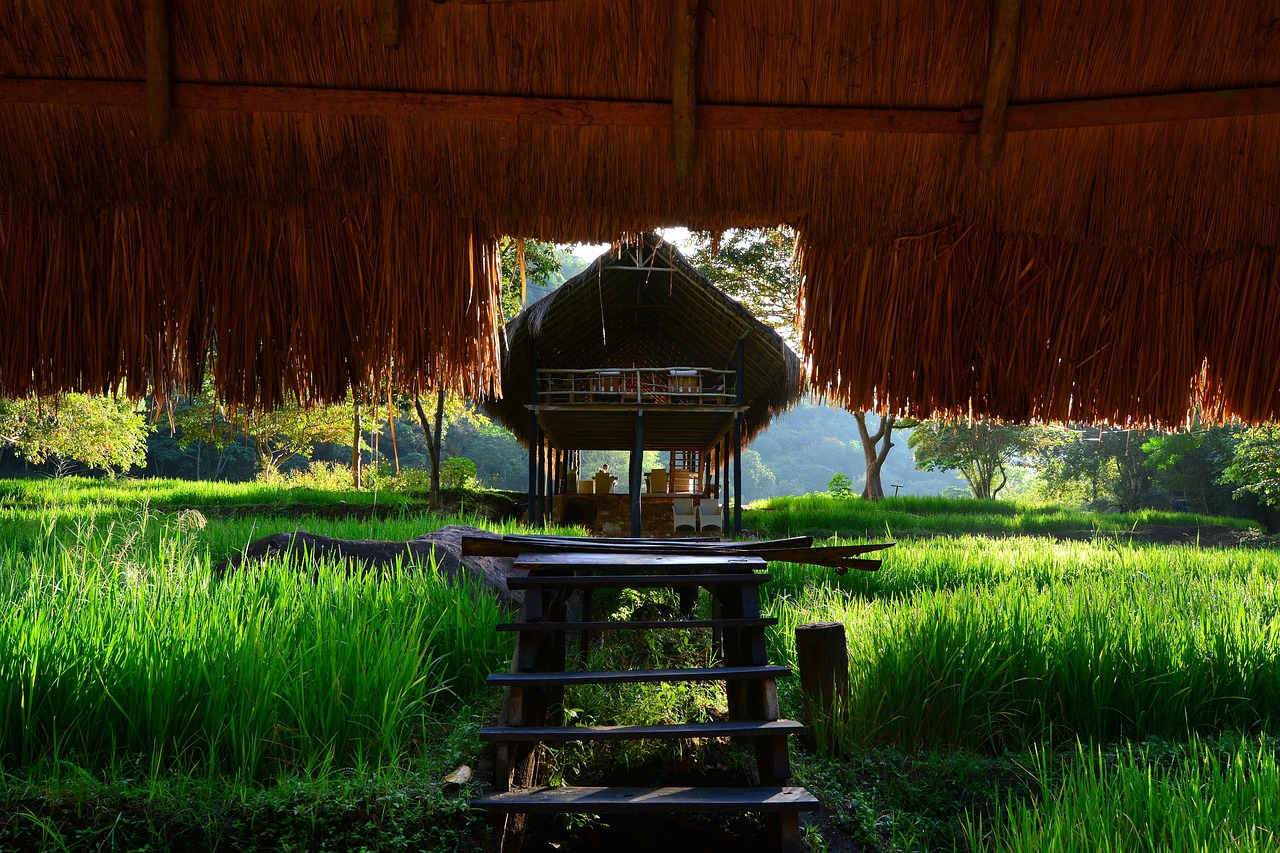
x: 458, y: 473
x: 840, y: 486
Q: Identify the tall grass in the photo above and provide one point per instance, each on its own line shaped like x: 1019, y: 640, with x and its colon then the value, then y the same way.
x: 1204, y: 800
x: 114, y: 642
x: 823, y: 515
x: 1002, y: 643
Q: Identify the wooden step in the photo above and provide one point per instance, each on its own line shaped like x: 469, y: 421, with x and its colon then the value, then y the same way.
x: 647, y: 800
x: 635, y: 581
x: 634, y: 676
x: 681, y: 731
x: 654, y: 625
x: 633, y: 562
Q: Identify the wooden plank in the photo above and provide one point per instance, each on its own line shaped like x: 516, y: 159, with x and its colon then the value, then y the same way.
x: 634, y: 581
x: 649, y: 800
x: 1002, y: 60
x: 156, y: 61
x: 683, y: 562
x: 684, y: 83
x: 653, y: 625
x: 686, y: 543
x: 840, y: 557
x: 514, y: 109
x: 683, y: 731
x: 636, y: 676
x: 1143, y: 109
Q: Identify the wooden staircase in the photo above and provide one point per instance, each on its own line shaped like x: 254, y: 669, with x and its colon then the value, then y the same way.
x: 535, y: 688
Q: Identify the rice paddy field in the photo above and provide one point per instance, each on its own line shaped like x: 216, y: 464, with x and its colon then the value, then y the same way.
x: 1015, y: 685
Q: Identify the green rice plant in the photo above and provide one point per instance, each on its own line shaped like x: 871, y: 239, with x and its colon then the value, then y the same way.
x: 824, y: 515
x: 1203, y: 800
x: 999, y: 644
x: 114, y: 642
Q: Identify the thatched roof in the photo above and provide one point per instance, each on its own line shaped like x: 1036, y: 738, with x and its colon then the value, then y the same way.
x: 641, y: 304
x: 322, y: 204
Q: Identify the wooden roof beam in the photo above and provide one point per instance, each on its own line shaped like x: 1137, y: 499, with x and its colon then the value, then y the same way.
x: 1002, y: 60
x: 684, y: 83
x: 389, y: 22
x: 156, y: 58
x: 568, y: 112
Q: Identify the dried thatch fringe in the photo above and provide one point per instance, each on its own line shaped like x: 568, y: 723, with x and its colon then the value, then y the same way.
x: 1132, y: 254
x: 963, y: 321
x: 312, y: 298
x: 687, y: 322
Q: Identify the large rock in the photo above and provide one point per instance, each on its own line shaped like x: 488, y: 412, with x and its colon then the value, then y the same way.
x: 378, y: 556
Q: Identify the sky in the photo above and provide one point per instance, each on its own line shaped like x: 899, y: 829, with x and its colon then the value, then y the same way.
x: 590, y: 251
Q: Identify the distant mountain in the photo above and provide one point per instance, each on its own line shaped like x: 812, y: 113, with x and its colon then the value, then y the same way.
x: 808, y: 445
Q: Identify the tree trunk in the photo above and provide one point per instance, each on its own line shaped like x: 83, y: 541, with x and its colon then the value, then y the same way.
x: 874, y: 489
x: 1003, y: 481
x: 391, y: 423
x: 355, y: 446
x: 433, y: 441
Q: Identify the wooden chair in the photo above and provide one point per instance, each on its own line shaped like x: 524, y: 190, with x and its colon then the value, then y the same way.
x: 686, y: 514
x: 710, y: 514
x: 685, y: 386
x: 684, y: 481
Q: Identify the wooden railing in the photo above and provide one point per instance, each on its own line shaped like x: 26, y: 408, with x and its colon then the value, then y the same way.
x: 700, y: 386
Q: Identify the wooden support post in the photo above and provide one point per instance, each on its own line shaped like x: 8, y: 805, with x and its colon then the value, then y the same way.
x: 684, y: 83
x: 739, y: 395
x: 724, y: 488
x: 533, y: 433
x: 545, y: 479
x: 389, y: 22
x: 822, y: 656
x: 1002, y: 60
x: 637, y: 475
x: 156, y: 59
x: 540, y: 483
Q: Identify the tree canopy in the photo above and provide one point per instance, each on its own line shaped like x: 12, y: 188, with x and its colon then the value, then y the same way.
x: 979, y: 451
x: 753, y: 266
x: 105, y: 432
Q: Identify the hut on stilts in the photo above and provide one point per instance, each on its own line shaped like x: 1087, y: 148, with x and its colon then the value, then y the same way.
x: 639, y: 352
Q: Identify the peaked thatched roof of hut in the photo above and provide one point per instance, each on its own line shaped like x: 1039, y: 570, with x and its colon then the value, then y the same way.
x: 1018, y: 208
x: 641, y: 304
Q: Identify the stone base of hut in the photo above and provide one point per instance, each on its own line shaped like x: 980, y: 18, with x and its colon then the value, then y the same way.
x: 610, y: 515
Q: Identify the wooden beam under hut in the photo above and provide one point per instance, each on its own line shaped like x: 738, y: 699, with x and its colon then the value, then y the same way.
x: 684, y: 83
x: 1002, y: 61
x: 158, y: 83
x: 571, y: 112
x: 389, y: 22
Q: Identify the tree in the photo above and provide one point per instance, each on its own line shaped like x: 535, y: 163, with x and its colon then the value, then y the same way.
x: 753, y: 266
x: 1255, y: 465
x: 1191, y: 465
x: 756, y: 267
x: 528, y: 262
x: 979, y: 451
x: 873, y: 490
x: 103, y: 432
x: 286, y: 432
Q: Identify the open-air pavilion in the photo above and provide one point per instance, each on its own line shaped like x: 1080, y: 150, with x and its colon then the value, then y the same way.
x: 640, y: 352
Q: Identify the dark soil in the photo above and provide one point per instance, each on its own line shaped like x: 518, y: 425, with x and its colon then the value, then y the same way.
x: 1204, y: 536
x: 493, y: 505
